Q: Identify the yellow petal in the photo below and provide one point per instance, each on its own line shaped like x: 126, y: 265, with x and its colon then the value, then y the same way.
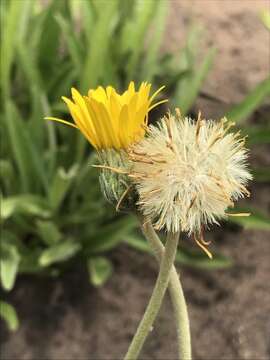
x: 83, y: 121
x: 123, y: 131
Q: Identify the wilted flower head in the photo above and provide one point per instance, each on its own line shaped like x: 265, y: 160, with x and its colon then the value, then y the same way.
x: 110, y: 120
x: 187, y: 174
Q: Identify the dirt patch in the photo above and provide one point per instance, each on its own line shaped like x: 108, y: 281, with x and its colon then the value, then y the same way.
x: 66, y: 319
x: 229, y: 310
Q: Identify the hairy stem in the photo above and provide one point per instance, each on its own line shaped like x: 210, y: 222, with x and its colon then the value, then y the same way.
x: 156, y: 298
x: 176, y: 293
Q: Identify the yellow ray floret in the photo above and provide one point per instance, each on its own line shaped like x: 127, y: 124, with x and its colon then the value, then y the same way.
x: 109, y: 119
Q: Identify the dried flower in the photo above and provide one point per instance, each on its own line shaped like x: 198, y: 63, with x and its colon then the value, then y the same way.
x: 187, y: 174
x: 108, y: 119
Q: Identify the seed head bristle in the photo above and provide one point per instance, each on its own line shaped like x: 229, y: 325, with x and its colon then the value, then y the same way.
x: 188, y: 173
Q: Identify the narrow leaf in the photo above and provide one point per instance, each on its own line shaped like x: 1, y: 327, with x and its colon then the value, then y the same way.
x: 71, y: 41
x: 112, y: 234
x: 261, y: 174
x: 9, y: 32
x: 98, y: 45
x: 185, y: 96
x: 8, y: 313
x: 26, y: 155
x: 59, y: 252
x: 135, y: 31
x: 9, y: 263
x: 199, y: 260
x: 257, y: 135
x: 196, y: 259
x: 60, y: 185
x: 256, y: 221
x: 49, y: 232
x: 240, y: 112
x: 100, y: 270
x: 23, y: 204
x: 151, y: 62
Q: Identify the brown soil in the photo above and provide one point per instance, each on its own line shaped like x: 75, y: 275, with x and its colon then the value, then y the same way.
x: 66, y: 319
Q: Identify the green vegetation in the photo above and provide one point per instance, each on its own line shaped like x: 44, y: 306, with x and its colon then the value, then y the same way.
x: 52, y: 210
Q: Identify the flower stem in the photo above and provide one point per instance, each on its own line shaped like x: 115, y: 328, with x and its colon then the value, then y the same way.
x: 156, y: 298
x: 176, y: 293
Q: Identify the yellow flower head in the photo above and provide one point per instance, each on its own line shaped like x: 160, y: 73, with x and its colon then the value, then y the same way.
x: 108, y: 119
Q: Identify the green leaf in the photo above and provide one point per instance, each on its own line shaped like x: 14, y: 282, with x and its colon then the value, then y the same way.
x: 7, y: 176
x: 134, y: 32
x: 138, y: 243
x: 184, y: 256
x: 61, y: 251
x: 8, y: 313
x: 112, y: 234
x: 100, y: 269
x: 30, y: 260
x: 60, y: 185
x: 257, y: 135
x: 23, y: 204
x: 261, y: 174
x: 256, y: 221
x: 186, y: 95
x: 190, y: 51
x: 49, y: 41
x: 87, y: 13
x: 71, y: 41
x: 150, y: 67
x: 9, y: 32
x: 49, y: 232
x: 28, y: 67
x: 198, y: 259
x: 98, y: 46
x: 9, y: 263
x: 240, y: 112
x: 26, y: 155
x: 25, y: 20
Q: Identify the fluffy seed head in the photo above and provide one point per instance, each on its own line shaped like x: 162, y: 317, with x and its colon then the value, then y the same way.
x: 187, y: 173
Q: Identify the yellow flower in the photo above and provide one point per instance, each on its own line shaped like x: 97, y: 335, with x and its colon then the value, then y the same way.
x: 108, y: 119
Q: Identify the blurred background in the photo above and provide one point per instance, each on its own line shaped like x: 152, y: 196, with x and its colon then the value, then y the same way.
x: 75, y: 275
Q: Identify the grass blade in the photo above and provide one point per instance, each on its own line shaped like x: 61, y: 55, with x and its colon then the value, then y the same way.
x: 25, y: 153
x: 150, y: 66
x: 240, y: 112
x: 185, y: 96
x: 9, y: 31
x: 134, y: 32
x: 98, y: 45
x: 71, y: 41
